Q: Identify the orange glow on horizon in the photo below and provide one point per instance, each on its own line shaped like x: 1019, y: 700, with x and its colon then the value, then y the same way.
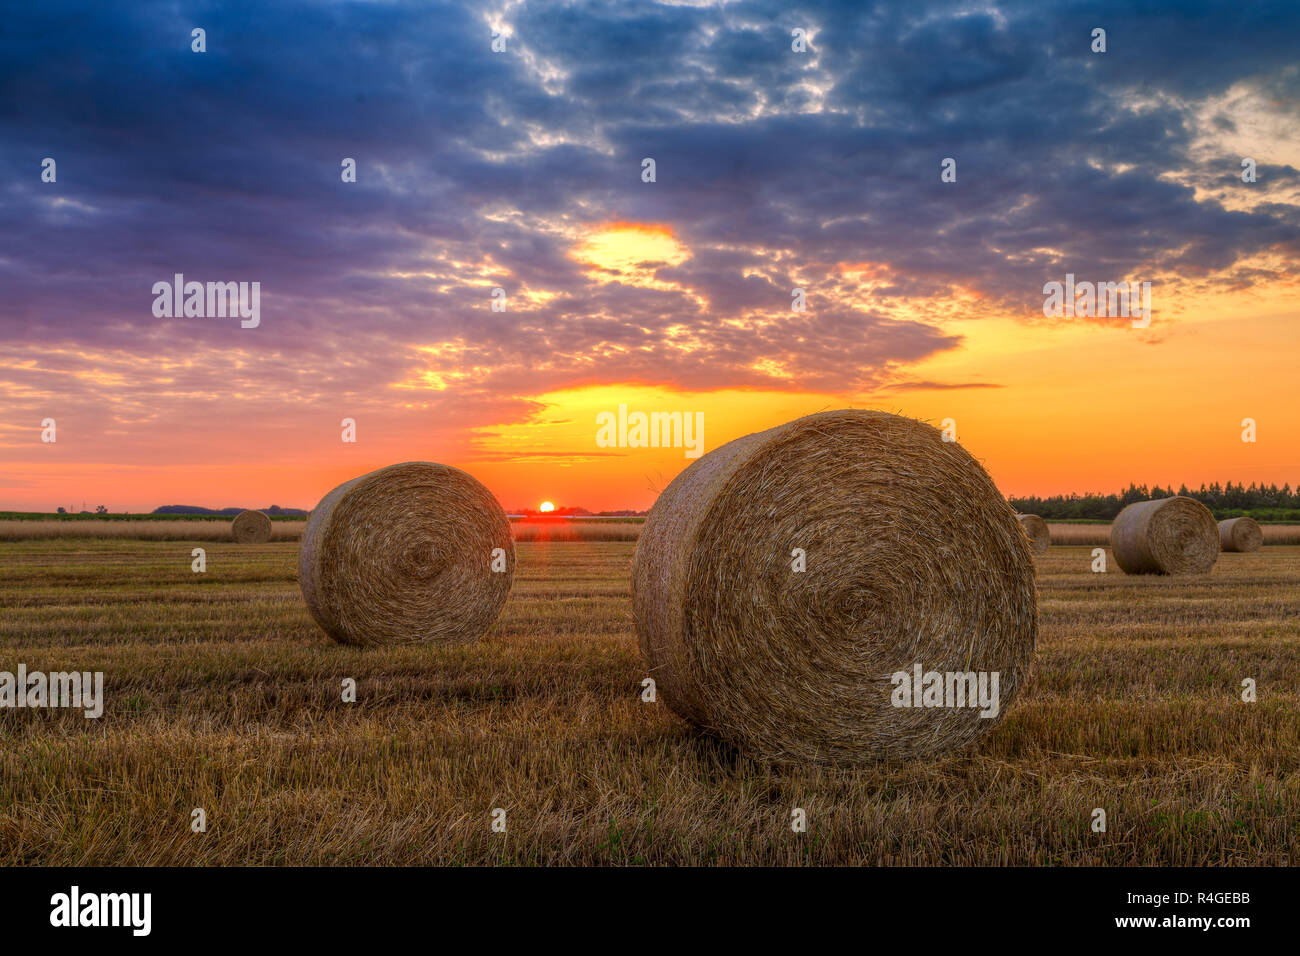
x: 1047, y: 407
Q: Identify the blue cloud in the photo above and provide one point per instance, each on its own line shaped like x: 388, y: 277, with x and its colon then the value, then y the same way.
x: 772, y: 167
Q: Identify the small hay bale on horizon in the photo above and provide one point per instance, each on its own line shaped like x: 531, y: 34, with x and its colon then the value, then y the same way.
x: 784, y: 581
x: 413, y: 553
x: 1040, y: 536
x: 1165, y: 536
x: 1240, y: 534
x: 251, y: 527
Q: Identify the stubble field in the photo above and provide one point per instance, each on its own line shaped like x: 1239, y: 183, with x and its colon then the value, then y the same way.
x: 221, y: 693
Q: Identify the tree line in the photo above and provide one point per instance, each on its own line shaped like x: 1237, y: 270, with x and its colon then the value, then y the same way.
x: 1262, y: 502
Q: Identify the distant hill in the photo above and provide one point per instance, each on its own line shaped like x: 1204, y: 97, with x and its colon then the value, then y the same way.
x: 196, y: 510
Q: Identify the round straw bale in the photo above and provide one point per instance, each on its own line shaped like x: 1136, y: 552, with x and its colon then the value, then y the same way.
x: 910, y: 558
x: 1040, y: 537
x: 251, y: 527
x: 1240, y: 534
x: 407, y: 554
x: 1165, y: 536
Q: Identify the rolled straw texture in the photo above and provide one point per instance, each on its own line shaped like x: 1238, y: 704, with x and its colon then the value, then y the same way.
x: 251, y: 527
x: 404, y: 555
x: 1240, y: 534
x: 1040, y: 538
x: 912, y: 557
x: 1165, y: 536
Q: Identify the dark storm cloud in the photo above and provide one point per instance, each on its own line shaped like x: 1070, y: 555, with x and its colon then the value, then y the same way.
x: 476, y: 168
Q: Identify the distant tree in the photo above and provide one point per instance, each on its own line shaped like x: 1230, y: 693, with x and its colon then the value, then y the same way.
x: 101, y: 510
x: 62, y: 511
x: 1227, y: 500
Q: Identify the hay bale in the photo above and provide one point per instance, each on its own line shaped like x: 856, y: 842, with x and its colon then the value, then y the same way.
x: 251, y: 527
x: 1166, y: 536
x: 912, y: 557
x: 1240, y: 534
x: 1040, y: 538
x: 404, y: 555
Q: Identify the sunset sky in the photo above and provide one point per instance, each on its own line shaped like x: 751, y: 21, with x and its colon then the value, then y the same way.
x: 523, y: 170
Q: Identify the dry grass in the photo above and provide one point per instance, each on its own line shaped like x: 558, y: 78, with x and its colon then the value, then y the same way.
x: 1093, y: 535
x: 198, y: 530
x: 1079, y: 535
x: 285, y: 530
x: 560, y: 530
x: 549, y: 530
x: 223, y: 693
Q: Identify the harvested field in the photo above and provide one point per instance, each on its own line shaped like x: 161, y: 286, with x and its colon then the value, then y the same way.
x: 222, y: 693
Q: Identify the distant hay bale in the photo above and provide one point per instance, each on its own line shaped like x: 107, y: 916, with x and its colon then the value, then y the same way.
x: 911, y: 558
x: 251, y: 527
x: 406, y: 555
x: 1040, y: 537
x: 1240, y: 534
x: 1165, y: 536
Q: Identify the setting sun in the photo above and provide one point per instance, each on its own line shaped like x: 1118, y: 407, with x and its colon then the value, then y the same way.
x: 546, y: 506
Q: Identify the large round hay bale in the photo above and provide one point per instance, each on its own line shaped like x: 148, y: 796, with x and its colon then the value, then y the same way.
x: 251, y: 527
x: 1165, y: 536
x: 912, y: 559
x: 1240, y: 534
x: 406, y: 555
x: 1040, y: 537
